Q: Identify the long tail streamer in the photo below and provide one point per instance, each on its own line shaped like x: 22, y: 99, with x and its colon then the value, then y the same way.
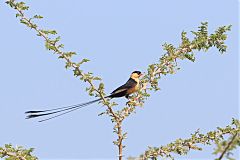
x: 65, y: 110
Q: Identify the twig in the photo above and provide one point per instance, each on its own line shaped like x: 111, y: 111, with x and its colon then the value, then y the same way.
x: 229, y: 144
x: 12, y: 154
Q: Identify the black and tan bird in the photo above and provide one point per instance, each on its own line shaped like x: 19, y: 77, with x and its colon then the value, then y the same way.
x: 131, y: 86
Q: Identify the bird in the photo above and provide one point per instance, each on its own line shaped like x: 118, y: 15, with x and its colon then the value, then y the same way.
x: 131, y: 86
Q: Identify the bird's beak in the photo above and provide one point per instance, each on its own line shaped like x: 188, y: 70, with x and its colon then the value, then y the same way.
x: 140, y: 75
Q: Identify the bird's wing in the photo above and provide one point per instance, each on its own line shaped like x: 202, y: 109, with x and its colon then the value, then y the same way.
x: 128, y: 85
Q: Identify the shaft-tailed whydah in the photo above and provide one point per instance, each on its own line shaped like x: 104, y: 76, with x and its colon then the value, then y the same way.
x: 131, y: 86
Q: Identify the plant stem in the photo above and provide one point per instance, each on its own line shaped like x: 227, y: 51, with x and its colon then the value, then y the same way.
x: 120, y: 139
x: 229, y: 144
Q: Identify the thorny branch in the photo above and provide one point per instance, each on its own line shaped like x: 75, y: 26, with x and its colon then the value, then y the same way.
x: 229, y: 144
x: 17, y: 153
x: 183, y: 146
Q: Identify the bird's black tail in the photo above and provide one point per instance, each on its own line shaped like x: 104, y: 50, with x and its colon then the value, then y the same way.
x: 61, y: 110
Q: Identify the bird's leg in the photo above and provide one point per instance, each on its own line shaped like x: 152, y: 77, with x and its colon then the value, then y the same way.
x: 129, y: 100
x: 136, y: 98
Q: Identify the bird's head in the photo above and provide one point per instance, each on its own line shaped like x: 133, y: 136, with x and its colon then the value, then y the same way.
x: 136, y: 74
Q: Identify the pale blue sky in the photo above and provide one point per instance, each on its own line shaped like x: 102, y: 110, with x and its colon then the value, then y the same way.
x: 111, y: 34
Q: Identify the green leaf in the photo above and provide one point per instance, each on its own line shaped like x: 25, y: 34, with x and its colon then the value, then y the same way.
x: 97, y: 78
x: 24, y: 22
x: 76, y: 72
x: 68, y: 65
x: 18, y: 15
x: 190, y: 57
x: 101, y: 86
x: 69, y: 54
x: 38, y: 16
x: 83, y: 61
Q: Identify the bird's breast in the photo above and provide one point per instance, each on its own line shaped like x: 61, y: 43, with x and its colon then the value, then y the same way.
x: 133, y: 89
